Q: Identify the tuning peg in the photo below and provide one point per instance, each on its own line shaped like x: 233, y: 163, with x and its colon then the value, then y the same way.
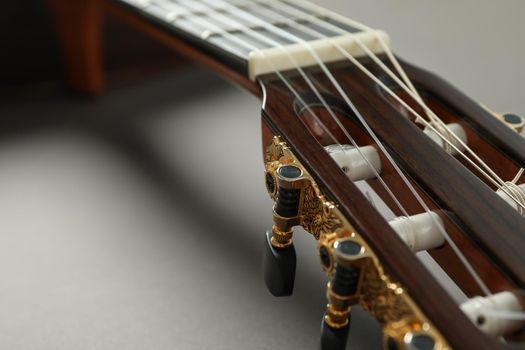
x: 279, y: 258
x: 334, y: 338
x: 279, y: 267
x: 342, y: 291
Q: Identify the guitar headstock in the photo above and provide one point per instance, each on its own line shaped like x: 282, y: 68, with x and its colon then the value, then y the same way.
x: 406, y: 188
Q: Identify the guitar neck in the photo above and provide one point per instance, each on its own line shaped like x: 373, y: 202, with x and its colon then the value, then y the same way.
x: 253, y: 38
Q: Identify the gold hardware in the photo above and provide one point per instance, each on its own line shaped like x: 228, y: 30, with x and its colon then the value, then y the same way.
x: 281, y: 239
x: 403, y: 333
x: 377, y: 292
x: 338, y: 309
x: 339, y: 306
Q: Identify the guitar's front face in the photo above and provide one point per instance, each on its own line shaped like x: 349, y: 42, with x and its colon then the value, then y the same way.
x: 383, y: 164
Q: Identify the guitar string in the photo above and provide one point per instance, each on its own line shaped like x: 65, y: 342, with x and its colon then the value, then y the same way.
x: 323, y: 101
x: 436, y: 125
x: 293, y: 38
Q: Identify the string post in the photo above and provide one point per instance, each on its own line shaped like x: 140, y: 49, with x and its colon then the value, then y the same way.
x: 343, y: 291
x: 491, y: 314
x: 421, y: 231
x: 361, y: 163
x: 514, y: 194
x: 285, y: 184
x: 447, y: 135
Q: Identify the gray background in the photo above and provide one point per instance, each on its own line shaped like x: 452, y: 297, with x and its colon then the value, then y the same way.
x: 136, y: 220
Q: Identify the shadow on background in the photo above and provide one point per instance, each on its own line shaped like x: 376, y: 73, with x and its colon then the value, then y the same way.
x: 228, y: 211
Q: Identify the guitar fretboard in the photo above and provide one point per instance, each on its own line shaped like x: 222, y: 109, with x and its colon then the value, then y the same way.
x: 261, y: 36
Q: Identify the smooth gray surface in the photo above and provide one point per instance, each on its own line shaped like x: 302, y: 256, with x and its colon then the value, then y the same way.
x: 136, y: 220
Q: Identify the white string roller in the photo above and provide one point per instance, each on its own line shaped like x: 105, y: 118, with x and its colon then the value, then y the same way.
x: 356, y: 163
x: 489, y: 313
x: 446, y: 132
x: 421, y: 231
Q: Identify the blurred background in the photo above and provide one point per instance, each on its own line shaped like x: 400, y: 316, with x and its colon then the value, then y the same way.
x: 135, y: 219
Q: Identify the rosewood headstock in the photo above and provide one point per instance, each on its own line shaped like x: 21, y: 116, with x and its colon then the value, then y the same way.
x: 370, y: 259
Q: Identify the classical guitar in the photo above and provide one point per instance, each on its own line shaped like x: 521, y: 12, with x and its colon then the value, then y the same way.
x: 378, y: 160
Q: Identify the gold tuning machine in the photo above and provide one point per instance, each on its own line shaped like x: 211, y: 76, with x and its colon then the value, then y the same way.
x: 285, y: 184
x: 356, y: 275
x: 343, y: 291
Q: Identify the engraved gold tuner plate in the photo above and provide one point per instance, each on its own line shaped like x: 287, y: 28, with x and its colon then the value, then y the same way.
x: 375, y: 290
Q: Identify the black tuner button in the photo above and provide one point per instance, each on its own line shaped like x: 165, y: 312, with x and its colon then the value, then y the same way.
x: 290, y: 172
x: 347, y: 248
x: 419, y: 341
x: 279, y: 267
x: 333, y: 338
x: 513, y: 119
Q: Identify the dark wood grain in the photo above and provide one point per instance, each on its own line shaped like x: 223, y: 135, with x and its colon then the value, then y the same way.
x: 503, y: 164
